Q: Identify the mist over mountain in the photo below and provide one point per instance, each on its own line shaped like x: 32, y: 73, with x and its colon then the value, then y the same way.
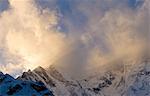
x: 131, y: 79
x: 75, y: 47
x: 78, y: 35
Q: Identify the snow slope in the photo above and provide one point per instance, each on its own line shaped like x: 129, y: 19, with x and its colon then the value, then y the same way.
x: 131, y: 79
x: 12, y: 87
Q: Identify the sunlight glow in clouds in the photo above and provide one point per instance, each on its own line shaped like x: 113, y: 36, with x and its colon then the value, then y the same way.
x: 30, y: 37
x: 30, y: 34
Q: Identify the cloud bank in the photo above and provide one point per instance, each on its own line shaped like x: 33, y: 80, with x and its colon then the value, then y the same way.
x: 112, y: 33
x: 81, y: 35
x: 30, y: 35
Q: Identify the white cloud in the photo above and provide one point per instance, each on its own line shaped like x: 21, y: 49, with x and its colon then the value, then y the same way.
x: 31, y: 34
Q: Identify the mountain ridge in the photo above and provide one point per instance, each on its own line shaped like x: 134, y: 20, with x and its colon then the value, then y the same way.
x: 118, y: 82
x: 14, y: 87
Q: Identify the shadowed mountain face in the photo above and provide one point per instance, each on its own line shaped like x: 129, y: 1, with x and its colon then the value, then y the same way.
x: 128, y: 80
x: 13, y: 87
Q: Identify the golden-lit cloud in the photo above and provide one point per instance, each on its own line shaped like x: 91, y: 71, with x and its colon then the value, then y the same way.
x: 120, y: 34
x: 31, y: 34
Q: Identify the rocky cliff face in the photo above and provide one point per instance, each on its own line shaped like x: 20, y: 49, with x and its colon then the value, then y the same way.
x: 127, y: 80
x: 12, y: 87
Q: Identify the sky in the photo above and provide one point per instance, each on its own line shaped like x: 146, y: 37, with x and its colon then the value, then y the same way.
x: 79, y: 34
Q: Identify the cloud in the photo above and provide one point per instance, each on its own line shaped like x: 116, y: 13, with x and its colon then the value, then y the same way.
x: 31, y: 34
x: 114, y: 33
x: 94, y: 35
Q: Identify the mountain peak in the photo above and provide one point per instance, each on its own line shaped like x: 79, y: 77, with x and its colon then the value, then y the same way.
x: 96, y: 84
x: 1, y: 73
x: 11, y: 86
x: 39, y: 68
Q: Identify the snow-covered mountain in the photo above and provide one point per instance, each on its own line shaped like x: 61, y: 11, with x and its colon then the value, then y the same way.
x: 131, y: 79
x: 12, y: 87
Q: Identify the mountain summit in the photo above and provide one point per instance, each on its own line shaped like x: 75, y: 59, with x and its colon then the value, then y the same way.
x: 13, y: 87
x: 131, y: 79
